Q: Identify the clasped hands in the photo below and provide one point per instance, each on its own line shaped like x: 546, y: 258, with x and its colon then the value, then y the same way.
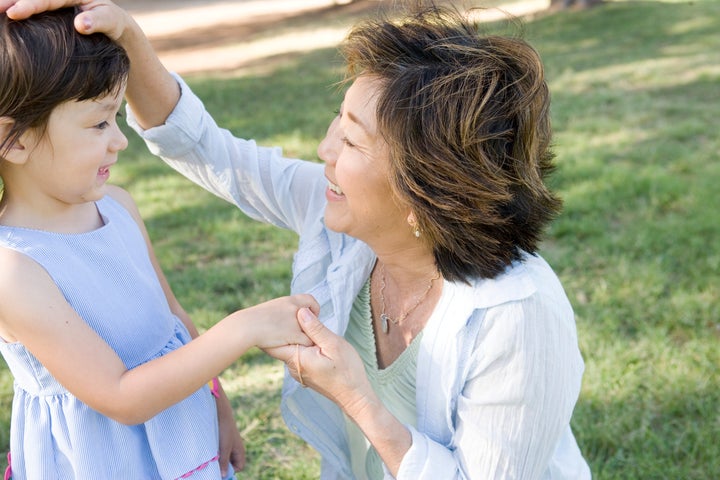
x: 330, y: 366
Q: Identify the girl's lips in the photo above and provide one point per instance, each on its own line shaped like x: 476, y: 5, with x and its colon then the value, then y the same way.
x: 104, y: 172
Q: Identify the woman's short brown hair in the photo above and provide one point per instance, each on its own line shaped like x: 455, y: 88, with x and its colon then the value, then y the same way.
x: 466, y: 118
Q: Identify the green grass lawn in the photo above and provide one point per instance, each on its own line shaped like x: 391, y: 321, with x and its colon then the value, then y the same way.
x: 636, y: 107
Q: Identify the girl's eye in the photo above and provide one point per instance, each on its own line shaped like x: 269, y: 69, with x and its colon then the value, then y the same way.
x: 104, y: 124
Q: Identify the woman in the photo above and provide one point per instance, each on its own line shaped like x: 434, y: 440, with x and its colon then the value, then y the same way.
x: 446, y: 348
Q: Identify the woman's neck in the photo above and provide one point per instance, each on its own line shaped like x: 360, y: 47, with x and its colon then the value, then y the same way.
x: 404, y: 291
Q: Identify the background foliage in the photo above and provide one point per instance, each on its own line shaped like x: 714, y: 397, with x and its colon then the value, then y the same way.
x: 635, y: 109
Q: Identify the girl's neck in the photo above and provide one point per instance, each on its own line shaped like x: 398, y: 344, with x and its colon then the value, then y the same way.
x: 72, y: 219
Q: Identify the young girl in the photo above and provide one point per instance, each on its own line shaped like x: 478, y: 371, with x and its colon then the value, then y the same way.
x: 108, y: 383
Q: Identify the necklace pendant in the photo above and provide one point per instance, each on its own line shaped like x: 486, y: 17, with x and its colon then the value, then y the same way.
x: 384, y: 322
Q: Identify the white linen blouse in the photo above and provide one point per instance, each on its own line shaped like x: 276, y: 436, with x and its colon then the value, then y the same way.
x: 498, y: 368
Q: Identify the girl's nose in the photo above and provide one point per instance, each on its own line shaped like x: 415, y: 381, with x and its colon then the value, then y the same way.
x: 120, y: 141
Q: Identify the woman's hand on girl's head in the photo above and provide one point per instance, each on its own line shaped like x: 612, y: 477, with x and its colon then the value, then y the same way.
x: 97, y: 16
x: 22, y: 9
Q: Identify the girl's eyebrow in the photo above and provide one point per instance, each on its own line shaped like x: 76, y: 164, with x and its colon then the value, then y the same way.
x: 107, y: 104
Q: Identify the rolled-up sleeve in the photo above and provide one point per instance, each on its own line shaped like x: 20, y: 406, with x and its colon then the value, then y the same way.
x: 265, y: 185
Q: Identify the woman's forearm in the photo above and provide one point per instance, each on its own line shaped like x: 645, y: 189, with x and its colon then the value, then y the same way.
x: 383, y: 430
x: 152, y: 92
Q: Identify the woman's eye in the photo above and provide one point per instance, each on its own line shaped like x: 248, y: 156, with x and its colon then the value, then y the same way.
x: 347, y: 142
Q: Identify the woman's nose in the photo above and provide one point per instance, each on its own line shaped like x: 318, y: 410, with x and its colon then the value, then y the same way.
x: 329, y: 146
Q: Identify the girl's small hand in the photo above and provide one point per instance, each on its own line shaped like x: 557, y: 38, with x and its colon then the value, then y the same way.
x: 274, y: 323
x: 232, y: 447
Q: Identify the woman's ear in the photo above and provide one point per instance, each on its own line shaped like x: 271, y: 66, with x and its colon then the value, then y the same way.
x: 412, y: 221
x: 14, y: 152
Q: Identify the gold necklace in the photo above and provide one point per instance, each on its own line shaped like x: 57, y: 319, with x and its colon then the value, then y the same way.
x: 384, y: 317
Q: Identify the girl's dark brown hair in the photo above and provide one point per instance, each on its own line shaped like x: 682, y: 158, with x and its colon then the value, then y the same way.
x: 44, y: 62
x: 466, y: 118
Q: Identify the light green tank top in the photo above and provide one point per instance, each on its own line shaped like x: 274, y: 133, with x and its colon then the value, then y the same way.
x: 395, y: 385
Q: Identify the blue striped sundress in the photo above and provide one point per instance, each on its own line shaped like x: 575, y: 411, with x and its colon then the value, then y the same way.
x: 106, y: 275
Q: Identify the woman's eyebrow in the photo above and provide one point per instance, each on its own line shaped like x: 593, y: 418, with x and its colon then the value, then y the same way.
x: 357, y: 121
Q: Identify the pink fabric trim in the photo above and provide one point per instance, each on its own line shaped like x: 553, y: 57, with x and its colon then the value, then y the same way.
x: 8, y: 470
x: 191, y: 472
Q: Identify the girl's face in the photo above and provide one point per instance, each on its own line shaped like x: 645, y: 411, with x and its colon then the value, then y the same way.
x: 361, y: 202
x: 71, y: 162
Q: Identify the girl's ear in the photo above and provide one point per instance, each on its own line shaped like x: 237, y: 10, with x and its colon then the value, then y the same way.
x: 15, y: 152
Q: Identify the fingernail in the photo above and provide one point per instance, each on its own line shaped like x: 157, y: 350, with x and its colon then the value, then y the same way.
x: 87, y: 23
x: 306, y: 315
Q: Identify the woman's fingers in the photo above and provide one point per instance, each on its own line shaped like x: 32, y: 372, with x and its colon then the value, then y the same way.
x: 314, y: 329
x: 22, y: 9
x: 284, y: 353
x: 102, y: 16
x: 5, y: 4
x: 98, y: 16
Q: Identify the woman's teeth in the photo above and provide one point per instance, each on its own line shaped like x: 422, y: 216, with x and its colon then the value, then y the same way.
x: 335, y: 188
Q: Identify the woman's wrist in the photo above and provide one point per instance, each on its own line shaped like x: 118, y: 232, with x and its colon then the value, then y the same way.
x: 386, y: 433
x: 362, y: 404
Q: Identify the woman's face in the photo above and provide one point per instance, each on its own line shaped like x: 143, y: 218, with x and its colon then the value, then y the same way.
x: 360, y: 201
